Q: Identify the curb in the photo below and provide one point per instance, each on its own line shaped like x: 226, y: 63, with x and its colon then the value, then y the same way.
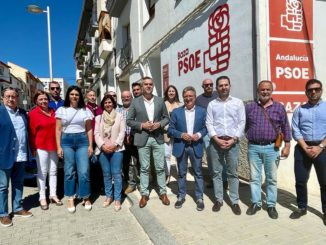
x: 157, y: 233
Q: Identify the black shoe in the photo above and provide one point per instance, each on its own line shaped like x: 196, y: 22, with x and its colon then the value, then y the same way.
x: 324, y: 219
x: 272, y: 213
x: 217, y: 206
x: 236, y: 209
x: 179, y: 202
x: 200, y: 205
x: 298, y: 213
x: 253, y: 209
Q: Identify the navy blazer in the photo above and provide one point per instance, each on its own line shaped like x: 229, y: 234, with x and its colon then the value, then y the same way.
x: 8, y: 151
x: 178, y: 126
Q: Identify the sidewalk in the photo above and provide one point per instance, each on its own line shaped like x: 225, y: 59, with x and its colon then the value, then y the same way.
x: 188, y: 226
x: 159, y: 224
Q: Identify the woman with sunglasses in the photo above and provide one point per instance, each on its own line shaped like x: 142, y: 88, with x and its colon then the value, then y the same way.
x: 43, y: 146
x: 171, y: 98
x: 74, y: 137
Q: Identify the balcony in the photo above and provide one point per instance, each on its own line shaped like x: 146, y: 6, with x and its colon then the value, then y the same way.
x: 115, y: 7
x: 95, y: 63
x: 125, y: 56
x: 105, y: 48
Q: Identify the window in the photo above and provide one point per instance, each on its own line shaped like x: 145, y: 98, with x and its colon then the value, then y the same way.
x: 150, y: 4
x: 2, y: 71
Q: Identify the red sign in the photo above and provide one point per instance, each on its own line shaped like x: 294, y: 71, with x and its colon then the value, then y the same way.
x: 291, y: 56
x: 216, y: 58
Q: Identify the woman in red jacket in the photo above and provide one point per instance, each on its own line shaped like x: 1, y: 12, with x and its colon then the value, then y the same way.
x: 43, y: 145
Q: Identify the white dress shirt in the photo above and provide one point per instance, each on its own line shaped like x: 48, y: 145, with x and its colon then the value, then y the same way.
x: 226, y: 118
x: 149, y: 105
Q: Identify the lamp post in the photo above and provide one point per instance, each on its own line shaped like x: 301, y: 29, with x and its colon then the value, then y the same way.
x: 34, y: 9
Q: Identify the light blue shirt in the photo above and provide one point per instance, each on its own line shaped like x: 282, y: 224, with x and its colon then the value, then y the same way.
x: 309, y: 122
x: 20, y: 129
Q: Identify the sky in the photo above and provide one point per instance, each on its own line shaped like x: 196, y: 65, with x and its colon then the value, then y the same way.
x: 24, y: 36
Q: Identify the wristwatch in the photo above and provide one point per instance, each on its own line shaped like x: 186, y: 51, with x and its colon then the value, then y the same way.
x: 322, y: 146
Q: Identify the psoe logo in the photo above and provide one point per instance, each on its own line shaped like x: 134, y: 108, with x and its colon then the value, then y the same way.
x: 292, y: 20
x: 216, y: 58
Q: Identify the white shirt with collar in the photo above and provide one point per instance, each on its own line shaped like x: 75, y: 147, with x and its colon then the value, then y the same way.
x: 190, y: 121
x: 20, y: 129
x: 226, y: 118
x: 149, y: 105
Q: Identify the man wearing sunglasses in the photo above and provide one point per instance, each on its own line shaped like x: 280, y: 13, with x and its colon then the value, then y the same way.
x: 309, y: 130
x: 55, y: 90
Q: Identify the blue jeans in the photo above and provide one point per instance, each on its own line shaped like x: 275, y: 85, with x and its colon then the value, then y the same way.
x: 224, y: 159
x: 76, y: 163
x: 111, y: 164
x: 144, y: 158
x: 182, y: 173
x: 206, y: 141
x: 302, y: 167
x: 16, y: 173
x: 267, y: 156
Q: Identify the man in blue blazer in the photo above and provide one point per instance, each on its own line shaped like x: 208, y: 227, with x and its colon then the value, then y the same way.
x: 187, y: 127
x: 13, y: 155
x: 147, y: 117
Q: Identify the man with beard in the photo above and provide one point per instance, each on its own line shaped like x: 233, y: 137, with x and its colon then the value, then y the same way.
x: 55, y: 90
x: 225, y: 122
x: 309, y: 130
x: 265, y: 119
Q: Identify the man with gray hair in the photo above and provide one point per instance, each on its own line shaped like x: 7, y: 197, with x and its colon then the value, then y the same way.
x: 14, y: 155
x: 187, y: 127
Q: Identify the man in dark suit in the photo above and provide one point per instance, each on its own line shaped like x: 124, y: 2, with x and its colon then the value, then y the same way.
x: 147, y: 117
x: 187, y: 127
x: 13, y: 155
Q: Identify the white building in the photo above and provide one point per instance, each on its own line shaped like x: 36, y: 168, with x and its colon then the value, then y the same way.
x: 182, y: 42
x: 63, y: 85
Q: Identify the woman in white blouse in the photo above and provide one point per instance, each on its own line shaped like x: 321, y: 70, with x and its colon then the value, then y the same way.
x: 74, y: 136
x: 109, y: 135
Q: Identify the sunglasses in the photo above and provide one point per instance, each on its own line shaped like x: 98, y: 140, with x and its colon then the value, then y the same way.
x: 208, y: 85
x: 55, y: 88
x: 317, y: 90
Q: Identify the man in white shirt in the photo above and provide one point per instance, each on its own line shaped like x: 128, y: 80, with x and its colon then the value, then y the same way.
x: 187, y: 127
x: 225, y: 122
x: 147, y: 117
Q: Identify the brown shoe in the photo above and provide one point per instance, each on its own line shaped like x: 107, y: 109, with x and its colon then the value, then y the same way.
x: 143, y: 201
x: 236, y: 209
x: 23, y: 213
x: 165, y: 200
x: 5, y: 221
x: 217, y: 206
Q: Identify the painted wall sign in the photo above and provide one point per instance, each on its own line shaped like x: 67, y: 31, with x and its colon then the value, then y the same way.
x: 215, y: 42
x: 291, y: 49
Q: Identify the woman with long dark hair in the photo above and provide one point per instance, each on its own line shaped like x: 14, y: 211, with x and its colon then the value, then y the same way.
x: 171, y: 99
x: 74, y: 137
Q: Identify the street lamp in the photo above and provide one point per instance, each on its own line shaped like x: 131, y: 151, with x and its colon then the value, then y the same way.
x: 34, y: 9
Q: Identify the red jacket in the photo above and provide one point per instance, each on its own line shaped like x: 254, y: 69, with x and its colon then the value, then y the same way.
x: 42, y: 130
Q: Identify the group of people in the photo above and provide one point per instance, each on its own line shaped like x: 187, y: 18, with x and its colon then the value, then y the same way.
x: 145, y: 131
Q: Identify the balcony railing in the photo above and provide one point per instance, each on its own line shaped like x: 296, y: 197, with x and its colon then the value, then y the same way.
x: 125, y: 55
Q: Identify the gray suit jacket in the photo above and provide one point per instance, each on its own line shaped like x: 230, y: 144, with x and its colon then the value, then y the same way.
x: 137, y: 114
